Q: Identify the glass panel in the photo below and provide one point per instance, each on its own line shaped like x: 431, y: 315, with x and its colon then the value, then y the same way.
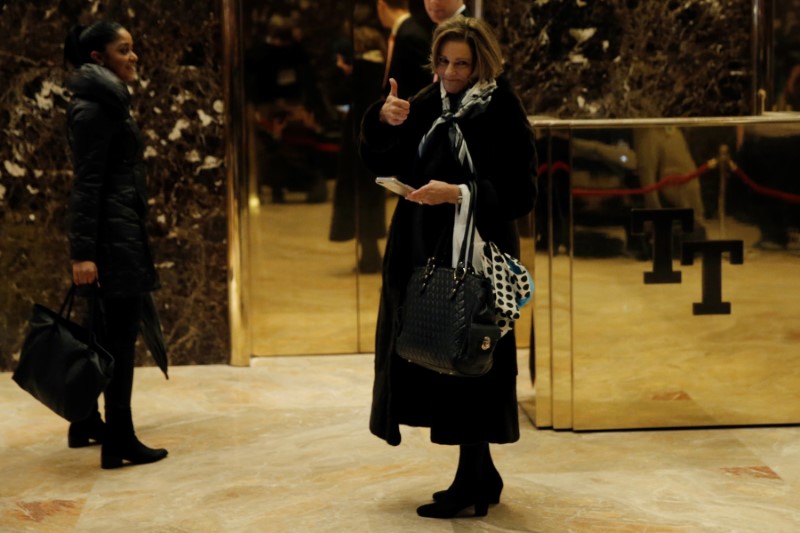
x: 686, y: 262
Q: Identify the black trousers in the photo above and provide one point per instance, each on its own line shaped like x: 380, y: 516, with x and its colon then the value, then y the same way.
x: 117, y: 331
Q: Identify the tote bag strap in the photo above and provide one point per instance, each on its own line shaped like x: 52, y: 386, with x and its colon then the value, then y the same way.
x: 94, y: 305
x: 468, y: 239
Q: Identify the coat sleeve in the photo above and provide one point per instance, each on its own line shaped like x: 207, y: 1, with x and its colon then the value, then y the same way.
x: 507, y: 175
x: 90, y: 132
x: 385, y: 150
x: 392, y: 150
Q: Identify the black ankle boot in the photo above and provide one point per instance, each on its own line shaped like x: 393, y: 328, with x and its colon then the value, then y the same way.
x: 492, y: 484
x: 82, y: 433
x: 122, y: 445
x: 114, y: 453
x: 453, y: 504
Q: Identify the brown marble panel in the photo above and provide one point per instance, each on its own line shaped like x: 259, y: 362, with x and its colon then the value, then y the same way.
x: 628, y: 58
x: 178, y: 104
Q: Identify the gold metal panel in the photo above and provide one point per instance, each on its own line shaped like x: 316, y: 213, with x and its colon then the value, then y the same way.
x: 561, y: 341
x: 303, y: 290
x: 560, y: 278
x: 302, y: 293
x: 542, y: 350
x: 641, y: 358
x: 235, y: 155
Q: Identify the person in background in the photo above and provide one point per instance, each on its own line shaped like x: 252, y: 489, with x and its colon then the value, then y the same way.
x: 421, y: 139
x: 108, y: 242
x: 663, y: 152
x: 282, y: 86
x: 408, y: 48
x: 441, y: 10
x: 359, y: 207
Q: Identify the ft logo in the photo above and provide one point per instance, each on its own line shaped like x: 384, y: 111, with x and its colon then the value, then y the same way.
x: 710, y: 251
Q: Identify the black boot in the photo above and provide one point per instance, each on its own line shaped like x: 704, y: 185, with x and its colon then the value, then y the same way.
x: 82, y: 433
x: 121, y: 443
x: 454, y: 503
x: 467, y: 490
x: 490, y: 481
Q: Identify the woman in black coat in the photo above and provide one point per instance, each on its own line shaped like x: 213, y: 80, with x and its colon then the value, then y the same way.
x: 419, y: 138
x: 108, y: 239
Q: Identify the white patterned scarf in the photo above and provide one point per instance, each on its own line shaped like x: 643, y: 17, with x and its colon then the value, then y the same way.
x: 474, y: 102
x: 512, y: 285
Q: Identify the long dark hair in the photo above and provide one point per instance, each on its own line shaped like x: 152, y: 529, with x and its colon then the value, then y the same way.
x: 81, y: 41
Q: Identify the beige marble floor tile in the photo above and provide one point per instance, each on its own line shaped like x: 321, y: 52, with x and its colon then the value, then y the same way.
x: 283, y: 446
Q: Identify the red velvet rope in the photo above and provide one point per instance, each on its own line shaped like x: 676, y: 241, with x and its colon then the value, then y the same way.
x: 766, y: 191
x: 663, y: 182
x: 677, y: 180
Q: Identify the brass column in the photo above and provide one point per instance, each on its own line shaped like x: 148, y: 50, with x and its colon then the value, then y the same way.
x: 236, y: 150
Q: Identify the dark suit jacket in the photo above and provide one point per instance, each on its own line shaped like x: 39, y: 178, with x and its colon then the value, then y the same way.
x: 410, y: 57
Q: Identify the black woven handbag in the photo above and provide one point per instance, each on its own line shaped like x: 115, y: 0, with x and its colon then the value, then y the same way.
x: 447, y: 319
x: 61, y: 364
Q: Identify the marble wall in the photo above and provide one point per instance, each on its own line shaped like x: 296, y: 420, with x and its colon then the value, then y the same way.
x: 178, y: 103
x: 628, y: 58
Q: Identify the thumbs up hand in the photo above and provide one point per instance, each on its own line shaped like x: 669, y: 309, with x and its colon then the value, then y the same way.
x: 395, y: 110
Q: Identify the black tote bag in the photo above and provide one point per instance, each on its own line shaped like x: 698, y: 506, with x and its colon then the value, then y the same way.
x: 447, y: 318
x: 61, y: 364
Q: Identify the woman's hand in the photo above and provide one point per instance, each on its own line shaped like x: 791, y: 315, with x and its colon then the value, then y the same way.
x: 395, y: 110
x: 435, y: 193
x: 84, y: 272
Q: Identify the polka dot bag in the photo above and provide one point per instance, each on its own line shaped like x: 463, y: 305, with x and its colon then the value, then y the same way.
x: 511, y: 283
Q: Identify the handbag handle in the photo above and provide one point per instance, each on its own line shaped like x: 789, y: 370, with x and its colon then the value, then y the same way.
x: 70, y: 299
x: 468, y: 242
x: 464, y: 263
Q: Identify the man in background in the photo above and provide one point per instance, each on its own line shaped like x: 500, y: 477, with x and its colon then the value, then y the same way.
x: 441, y: 10
x: 408, y: 48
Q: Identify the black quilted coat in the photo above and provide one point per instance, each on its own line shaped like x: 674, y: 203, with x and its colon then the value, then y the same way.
x: 109, y: 198
x: 457, y: 410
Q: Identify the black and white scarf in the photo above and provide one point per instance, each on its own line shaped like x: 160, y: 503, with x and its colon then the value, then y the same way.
x: 474, y: 102
x: 512, y: 285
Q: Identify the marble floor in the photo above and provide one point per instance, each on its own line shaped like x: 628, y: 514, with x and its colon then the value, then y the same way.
x: 282, y: 446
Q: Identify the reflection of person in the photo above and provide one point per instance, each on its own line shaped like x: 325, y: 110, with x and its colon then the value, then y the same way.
x: 789, y: 97
x: 282, y: 86
x: 359, y: 207
x: 409, y: 46
x: 414, y: 139
x: 769, y: 156
x: 108, y: 242
x: 663, y: 152
x: 441, y: 10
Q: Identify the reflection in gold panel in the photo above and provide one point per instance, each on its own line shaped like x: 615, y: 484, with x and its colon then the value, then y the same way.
x: 303, y: 288
x: 307, y: 285
x: 631, y: 354
x: 642, y: 359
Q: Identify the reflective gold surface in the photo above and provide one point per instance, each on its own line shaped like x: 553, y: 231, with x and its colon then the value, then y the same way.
x: 627, y: 354
x: 295, y: 287
x: 641, y: 359
x: 303, y: 295
x: 236, y: 154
